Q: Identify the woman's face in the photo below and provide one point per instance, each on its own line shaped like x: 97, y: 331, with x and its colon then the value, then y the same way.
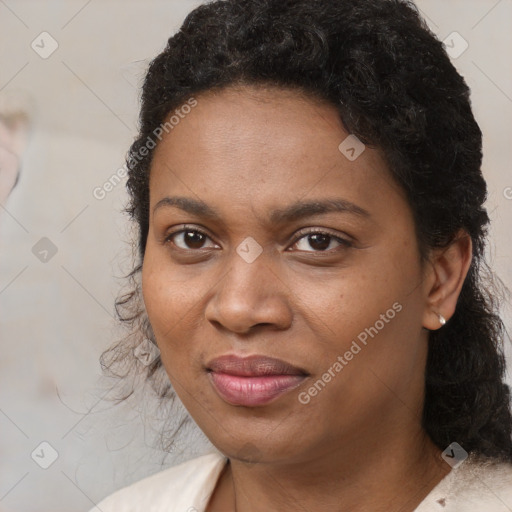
x: 336, y: 293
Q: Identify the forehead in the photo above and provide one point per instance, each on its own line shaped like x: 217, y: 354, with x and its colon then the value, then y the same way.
x: 241, y: 121
x: 264, y: 143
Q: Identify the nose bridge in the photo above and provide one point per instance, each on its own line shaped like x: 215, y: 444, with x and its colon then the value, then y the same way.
x: 249, y: 263
x: 250, y: 293
x: 249, y: 268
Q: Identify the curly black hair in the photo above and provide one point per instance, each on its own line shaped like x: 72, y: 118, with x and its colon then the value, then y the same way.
x: 395, y: 88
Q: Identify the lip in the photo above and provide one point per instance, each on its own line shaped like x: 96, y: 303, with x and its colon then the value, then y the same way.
x: 254, y: 380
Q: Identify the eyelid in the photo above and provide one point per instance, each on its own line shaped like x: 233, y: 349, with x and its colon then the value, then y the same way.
x: 324, y: 231
x: 186, y: 227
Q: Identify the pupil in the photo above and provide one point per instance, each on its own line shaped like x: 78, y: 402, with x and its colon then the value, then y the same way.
x: 324, y: 241
x: 193, y: 237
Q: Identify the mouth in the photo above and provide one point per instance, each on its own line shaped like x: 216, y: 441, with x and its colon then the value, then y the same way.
x: 254, y: 380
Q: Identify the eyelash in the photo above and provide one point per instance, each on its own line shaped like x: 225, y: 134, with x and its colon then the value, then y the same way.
x: 300, y: 235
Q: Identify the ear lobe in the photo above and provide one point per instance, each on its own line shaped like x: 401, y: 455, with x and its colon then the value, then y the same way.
x: 449, y: 267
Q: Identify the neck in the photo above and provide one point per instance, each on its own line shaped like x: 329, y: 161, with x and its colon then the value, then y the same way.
x: 394, y: 476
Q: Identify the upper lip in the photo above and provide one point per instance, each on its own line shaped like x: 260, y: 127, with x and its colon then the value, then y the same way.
x: 252, y: 366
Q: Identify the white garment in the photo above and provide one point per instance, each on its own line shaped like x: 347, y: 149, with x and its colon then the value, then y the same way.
x: 472, y: 487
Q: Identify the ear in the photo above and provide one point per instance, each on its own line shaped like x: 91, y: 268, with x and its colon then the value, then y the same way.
x: 446, y: 274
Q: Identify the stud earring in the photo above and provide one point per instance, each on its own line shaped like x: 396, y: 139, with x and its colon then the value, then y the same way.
x: 442, y: 319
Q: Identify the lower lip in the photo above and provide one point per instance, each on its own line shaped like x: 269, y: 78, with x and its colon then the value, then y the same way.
x: 252, y: 391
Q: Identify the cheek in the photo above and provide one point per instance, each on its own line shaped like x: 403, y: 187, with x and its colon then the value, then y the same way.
x: 165, y: 312
x: 165, y: 303
x: 382, y: 344
x: 344, y: 301
x: 155, y: 296
x: 369, y: 314
x: 174, y: 303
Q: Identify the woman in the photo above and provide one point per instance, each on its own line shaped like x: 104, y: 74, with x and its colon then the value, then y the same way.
x: 307, y: 187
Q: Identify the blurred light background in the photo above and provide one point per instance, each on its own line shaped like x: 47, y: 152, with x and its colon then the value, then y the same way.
x: 74, y: 67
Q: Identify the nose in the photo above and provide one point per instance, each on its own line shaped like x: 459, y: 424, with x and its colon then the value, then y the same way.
x: 250, y: 295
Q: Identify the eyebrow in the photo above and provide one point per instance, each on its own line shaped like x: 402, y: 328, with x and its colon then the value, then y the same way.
x: 293, y: 212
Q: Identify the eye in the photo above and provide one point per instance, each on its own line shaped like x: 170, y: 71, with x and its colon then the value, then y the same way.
x: 190, y: 239
x: 320, y: 241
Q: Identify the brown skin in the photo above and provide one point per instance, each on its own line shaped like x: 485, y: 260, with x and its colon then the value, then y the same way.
x: 358, y: 444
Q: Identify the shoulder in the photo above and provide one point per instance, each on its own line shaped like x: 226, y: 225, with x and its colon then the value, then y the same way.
x: 186, y: 486
x: 475, y: 486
